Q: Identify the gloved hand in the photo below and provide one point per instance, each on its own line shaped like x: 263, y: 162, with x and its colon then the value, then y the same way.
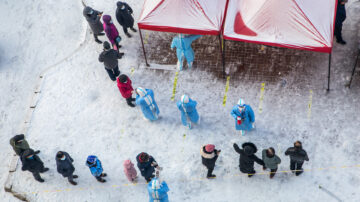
x: 239, y: 120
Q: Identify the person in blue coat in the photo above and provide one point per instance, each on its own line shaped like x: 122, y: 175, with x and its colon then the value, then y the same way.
x: 182, y: 43
x: 145, y: 99
x: 244, y: 117
x: 158, y: 190
x: 95, y: 167
x: 188, y: 111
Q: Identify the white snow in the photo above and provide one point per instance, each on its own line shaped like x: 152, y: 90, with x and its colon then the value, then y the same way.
x: 82, y: 112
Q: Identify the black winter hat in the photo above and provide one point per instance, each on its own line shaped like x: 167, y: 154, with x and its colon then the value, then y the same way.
x: 28, y: 152
x: 248, y: 150
x: 270, y: 154
x: 19, y: 137
x: 143, y: 157
x: 123, y: 78
x: 59, y: 154
x: 106, y: 45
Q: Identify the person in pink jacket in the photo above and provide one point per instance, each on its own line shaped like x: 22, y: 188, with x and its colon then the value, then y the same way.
x: 130, y: 171
x: 111, y: 32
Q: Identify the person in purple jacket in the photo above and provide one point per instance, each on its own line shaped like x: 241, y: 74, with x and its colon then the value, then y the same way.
x: 111, y: 32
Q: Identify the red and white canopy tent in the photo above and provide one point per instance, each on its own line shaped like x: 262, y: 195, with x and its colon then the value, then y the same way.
x: 204, y: 17
x: 298, y: 24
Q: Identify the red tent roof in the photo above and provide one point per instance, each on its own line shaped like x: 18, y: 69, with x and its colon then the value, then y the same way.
x: 183, y: 16
x: 299, y: 24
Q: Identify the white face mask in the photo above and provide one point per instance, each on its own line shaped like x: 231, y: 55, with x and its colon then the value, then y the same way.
x: 91, y: 12
x: 122, y: 7
x: 111, y: 22
x: 63, y: 158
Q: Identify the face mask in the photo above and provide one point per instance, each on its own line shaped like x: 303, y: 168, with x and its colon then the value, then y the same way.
x: 241, y: 109
x: 122, y: 7
x: 91, y: 12
x: 30, y: 157
x: 111, y: 22
x: 63, y: 158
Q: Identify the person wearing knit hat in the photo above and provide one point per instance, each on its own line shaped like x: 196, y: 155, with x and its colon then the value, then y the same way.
x: 209, y: 156
x: 110, y: 59
x: 271, y: 161
x: 247, y: 158
x: 93, y: 17
x: 244, y: 117
x: 32, y: 163
x: 146, y: 100
x: 126, y: 89
x: 297, y: 157
x: 111, y: 32
x: 130, y: 171
x: 19, y: 144
x: 188, y: 111
x: 147, y: 165
x: 95, y: 167
x: 64, y: 164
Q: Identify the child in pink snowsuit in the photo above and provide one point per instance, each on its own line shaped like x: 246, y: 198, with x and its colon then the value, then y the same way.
x: 130, y: 171
x: 111, y: 32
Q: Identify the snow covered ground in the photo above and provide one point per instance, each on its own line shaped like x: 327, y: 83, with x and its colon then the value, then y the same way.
x: 82, y: 112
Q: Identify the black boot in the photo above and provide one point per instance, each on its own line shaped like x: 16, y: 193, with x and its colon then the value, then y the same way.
x: 101, y: 34
x: 103, y: 175
x: 98, y: 41
x: 128, y: 35
x: 75, y: 176
x: 44, y: 170
x: 341, y: 41
x: 133, y: 29
x: 73, y: 182
x: 100, y: 179
x: 40, y: 180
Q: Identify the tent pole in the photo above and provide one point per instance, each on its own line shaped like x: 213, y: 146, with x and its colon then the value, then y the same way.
x: 142, y: 43
x: 328, y: 88
x: 223, y: 58
x: 221, y: 51
x: 353, y: 71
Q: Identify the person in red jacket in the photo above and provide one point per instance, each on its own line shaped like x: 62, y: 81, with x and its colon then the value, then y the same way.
x: 126, y: 90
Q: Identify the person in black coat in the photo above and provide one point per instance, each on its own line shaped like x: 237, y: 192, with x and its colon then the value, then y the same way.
x: 146, y: 165
x: 124, y: 17
x: 340, y: 18
x: 297, y: 157
x: 65, y: 167
x: 247, y: 158
x: 93, y: 17
x: 31, y: 162
x: 110, y: 59
x: 209, y: 156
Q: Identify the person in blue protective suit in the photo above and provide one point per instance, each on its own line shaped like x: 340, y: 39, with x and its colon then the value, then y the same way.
x: 145, y: 99
x: 244, y: 117
x: 95, y: 167
x: 158, y: 190
x: 188, y: 111
x: 182, y: 43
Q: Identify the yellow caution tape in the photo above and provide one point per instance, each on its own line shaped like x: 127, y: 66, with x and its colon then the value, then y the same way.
x: 310, y: 104
x: 174, y: 87
x: 194, y: 179
x: 226, y: 90
x: 262, y: 93
x: 146, y: 37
